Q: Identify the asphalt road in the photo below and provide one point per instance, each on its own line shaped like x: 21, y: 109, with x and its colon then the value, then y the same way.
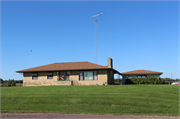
x: 78, y: 116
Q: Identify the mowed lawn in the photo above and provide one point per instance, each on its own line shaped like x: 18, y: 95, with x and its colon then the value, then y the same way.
x: 110, y: 99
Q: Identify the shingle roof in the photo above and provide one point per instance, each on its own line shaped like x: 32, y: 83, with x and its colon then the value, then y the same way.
x: 141, y: 72
x: 67, y: 66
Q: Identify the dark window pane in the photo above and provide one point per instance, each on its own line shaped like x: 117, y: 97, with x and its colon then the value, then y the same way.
x: 81, y: 76
x: 34, y: 77
x: 95, y: 75
x: 50, y: 77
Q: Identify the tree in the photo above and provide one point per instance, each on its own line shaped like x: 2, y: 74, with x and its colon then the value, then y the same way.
x: 10, y: 82
x: 1, y: 80
x: 177, y: 79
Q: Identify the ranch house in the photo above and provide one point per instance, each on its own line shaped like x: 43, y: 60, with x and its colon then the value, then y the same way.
x: 73, y: 73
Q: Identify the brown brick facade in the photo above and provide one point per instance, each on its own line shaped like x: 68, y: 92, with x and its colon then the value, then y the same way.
x: 104, y: 76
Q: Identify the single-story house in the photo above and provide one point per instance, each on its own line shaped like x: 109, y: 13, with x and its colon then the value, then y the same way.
x: 139, y: 73
x: 76, y: 73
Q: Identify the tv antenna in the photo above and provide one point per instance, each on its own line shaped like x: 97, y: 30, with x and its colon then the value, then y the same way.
x: 95, y: 21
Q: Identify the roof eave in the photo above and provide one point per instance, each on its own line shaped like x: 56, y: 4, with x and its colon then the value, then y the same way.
x: 144, y: 74
x: 63, y: 70
x: 116, y: 71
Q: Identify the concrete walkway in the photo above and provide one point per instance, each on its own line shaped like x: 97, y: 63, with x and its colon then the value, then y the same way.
x: 78, y: 116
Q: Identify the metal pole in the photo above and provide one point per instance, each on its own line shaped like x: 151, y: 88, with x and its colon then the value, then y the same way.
x: 96, y: 40
x: 95, y: 21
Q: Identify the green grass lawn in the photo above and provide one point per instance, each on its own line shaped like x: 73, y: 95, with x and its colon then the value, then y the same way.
x: 111, y: 99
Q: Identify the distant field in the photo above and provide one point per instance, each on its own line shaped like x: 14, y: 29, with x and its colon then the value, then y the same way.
x: 111, y: 99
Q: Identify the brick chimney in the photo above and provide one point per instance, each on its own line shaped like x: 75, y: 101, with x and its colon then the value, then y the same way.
x: 110, y: 62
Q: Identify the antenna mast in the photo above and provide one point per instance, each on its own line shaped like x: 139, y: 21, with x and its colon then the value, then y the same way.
x: 95, y: 21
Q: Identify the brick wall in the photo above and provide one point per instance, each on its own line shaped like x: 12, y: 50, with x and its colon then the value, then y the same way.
x: 74, y: 76
x: 41, y: 81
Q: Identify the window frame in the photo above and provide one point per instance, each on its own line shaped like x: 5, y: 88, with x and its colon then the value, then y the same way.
x: 49, y: 75
x: 88, y: 71
x: 82, y: 76
x: 94, y: 75
x: 36, y: 75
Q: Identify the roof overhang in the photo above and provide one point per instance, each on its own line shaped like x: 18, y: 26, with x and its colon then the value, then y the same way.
x: 116, y: 72
x: 143, y: 74
x: 69, y: 70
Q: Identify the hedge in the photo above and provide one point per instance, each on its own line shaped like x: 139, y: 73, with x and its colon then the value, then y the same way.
x: 10, y: 82
x: 145, y: 80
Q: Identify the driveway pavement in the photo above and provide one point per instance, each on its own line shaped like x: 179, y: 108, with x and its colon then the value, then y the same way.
x: 78, y: 116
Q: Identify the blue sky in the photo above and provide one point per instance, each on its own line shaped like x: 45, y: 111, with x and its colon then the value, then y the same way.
x: 135, y: 34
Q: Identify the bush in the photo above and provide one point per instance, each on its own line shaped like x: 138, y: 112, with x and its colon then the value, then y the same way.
x: 145, y: 80
x: 1, y: 80
x: 10, y: 82
x: 169, y: 80
x: 177, y: 80
x: 19, y: 81
x: 117, y: 80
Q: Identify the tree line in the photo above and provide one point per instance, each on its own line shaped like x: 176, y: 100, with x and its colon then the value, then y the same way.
x: 10, y: 82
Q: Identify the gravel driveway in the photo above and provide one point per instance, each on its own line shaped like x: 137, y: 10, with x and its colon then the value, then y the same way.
x: 77, y: 116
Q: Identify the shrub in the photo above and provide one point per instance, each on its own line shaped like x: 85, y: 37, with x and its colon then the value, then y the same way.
x: 1, y: 80
x: 10, y: 82
x: 145, y: 80
x: 118, y: 80
x: 19, y: 81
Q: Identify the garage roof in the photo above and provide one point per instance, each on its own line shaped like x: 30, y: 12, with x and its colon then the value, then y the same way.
x: 141, y: 72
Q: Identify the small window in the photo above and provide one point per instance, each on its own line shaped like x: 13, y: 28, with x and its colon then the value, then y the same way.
x: 141, y: 76
x: 49, y: 75
x: 34, y: 75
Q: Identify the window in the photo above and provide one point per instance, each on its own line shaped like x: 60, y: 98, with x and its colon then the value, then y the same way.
x: 89, y: 75
x: 95, y: 75
x: 34, y: 75
x: 67, y: 75
x: 81, y: 76
x: 143, y: 76
x: 49, y: 75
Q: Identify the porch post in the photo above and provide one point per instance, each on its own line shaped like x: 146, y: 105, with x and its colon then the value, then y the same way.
x: 58, y: 73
